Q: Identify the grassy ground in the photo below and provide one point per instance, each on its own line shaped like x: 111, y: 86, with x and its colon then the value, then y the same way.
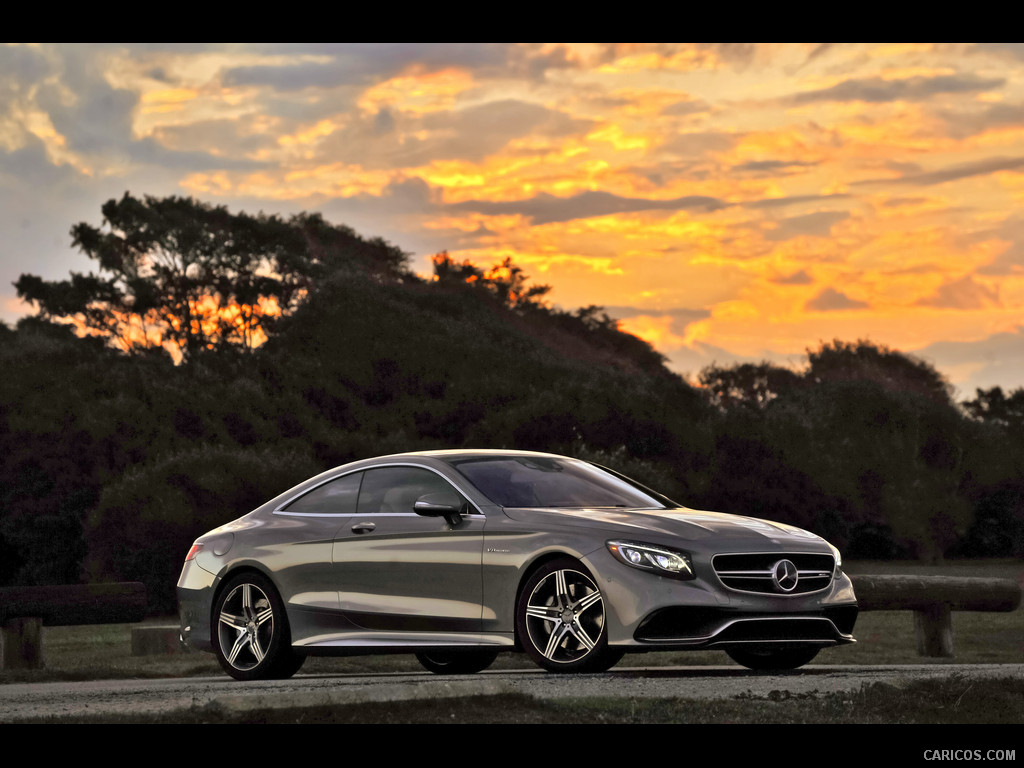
x: 884, y: 637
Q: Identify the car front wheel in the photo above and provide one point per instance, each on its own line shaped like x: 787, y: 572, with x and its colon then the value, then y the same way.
x: 772, y: 659
x: 561, y: 620
x: 251, y: 636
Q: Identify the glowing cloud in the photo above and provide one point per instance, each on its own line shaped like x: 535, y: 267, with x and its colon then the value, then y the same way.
x: 787, y: 193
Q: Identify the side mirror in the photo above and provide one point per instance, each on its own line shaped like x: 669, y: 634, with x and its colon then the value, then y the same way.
x: 446, y: 505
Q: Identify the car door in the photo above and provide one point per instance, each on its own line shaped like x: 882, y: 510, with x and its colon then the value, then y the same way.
x: 398, y: 571
x: 298, y: 546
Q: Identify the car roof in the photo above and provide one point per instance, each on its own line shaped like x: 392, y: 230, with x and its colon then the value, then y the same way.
x: 467, y: 453
x: 428, y: 458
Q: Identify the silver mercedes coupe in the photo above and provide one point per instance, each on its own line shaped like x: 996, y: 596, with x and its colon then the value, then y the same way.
x: 456, y: 556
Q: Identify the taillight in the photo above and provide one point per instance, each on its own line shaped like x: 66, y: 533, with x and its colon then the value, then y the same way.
x: 193, y: 552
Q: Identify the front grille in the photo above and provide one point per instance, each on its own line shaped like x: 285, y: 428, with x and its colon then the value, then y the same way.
x: 768, y: 573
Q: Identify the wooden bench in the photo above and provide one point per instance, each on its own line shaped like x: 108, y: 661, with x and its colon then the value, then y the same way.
x: 933, y: 599
x: 25, y: 610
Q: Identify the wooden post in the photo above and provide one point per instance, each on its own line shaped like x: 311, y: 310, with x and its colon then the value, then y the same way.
x: 22, y: 640
x: 933, y: 630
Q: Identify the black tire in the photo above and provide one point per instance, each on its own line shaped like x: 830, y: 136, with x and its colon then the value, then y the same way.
x: 609, y: 659
x: 288, y: 665
x: 457, y: 662
x: 561, y: 620
x: 250, y: 631
x: 772, y: 659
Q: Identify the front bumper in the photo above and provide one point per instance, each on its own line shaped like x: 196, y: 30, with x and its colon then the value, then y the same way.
x: 651, y: 612
x: 195, y: 598
x: 685, y: 626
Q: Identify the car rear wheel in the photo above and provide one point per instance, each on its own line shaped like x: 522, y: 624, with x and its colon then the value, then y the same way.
x: 457, y: 662
x: 561, y: 620
x: 772, y: 659
x: 251, y: 636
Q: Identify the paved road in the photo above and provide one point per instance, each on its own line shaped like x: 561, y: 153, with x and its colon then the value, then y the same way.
x: 705, y: 682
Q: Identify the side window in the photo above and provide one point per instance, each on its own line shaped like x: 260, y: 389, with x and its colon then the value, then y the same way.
x: 337, y: 497
x: 396, y: 489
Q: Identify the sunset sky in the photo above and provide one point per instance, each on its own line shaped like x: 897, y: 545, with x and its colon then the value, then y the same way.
x: 725, y: 202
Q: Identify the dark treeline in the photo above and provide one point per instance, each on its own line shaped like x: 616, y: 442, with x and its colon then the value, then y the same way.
x: 114, y: 461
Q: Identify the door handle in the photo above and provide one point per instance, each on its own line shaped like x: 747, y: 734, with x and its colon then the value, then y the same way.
x: 363, y: 527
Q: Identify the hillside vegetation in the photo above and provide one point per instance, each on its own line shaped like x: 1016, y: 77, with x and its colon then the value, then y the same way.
x: 192, y: 398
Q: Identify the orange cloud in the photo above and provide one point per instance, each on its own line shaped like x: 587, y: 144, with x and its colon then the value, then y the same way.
x: 665, y: 122
x: 418, y: 91
x: 616, y: 136
x: 636, y: 59
x: 336, y: 180
x: 167, y: 100
x: 655, y: 330
x: 310, y: 135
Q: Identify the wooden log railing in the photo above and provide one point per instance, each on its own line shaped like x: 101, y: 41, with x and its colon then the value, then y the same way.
x: 933, y: 599
x: 25, y: 610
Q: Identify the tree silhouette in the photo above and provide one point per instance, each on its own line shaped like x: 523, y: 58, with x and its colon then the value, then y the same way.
x: 505, y: 281
x: 865, y: 361
x: 187, y: 276
x: 994, y: 407
x: 747, y: 384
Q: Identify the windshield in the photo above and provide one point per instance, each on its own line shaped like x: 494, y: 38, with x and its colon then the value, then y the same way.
x: 542, y: 481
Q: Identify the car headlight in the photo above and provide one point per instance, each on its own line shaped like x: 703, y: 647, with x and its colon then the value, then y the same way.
x: 839, y: 557
x: 647, y: 557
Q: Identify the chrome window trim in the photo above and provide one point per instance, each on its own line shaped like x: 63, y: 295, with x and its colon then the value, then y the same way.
x: 319, y: 515
x: 280, y: 508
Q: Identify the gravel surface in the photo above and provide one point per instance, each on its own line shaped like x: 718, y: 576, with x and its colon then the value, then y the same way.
x: 19, y: 701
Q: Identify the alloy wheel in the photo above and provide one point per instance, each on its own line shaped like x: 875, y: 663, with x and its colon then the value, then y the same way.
x: 564, y: 617
x: 245, y: 626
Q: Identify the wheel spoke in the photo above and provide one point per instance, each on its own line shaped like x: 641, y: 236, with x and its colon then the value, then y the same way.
x: 587, y: 602
x: 562, y: 590
x: 264, y: 616
x: 557, y: 634
x: 581, y: 634
x: 257, y: 649
x: 247, y: 600
x: 240, y: 642
x: 235, y: 622
x: 545, y: 612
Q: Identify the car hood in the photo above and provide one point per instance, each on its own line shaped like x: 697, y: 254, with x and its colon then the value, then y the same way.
x: 679, y: 523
